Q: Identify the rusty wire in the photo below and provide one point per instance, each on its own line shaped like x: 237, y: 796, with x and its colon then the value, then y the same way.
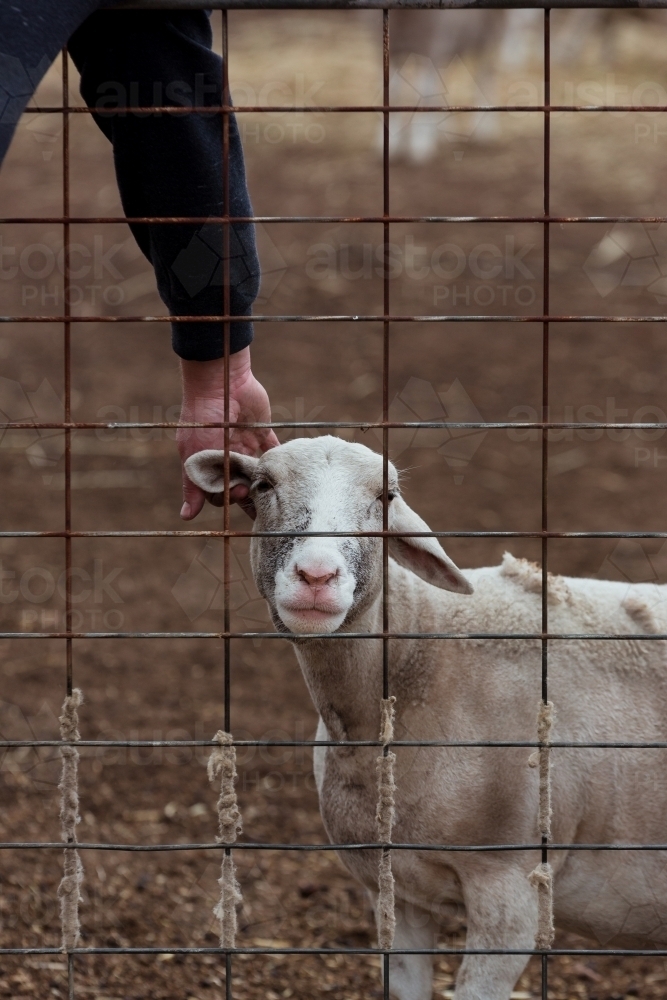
x: 226, y: 634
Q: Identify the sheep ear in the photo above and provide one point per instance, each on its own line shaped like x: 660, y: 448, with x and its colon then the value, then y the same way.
x: 206, y: 469
x: 424, y: 556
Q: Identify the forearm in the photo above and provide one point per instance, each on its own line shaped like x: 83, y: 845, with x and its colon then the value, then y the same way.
x: 171, y: 165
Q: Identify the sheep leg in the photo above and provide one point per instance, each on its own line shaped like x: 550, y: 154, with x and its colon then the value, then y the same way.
x: 423, y: 135
x: 501, y: 912
x: 411, y: 976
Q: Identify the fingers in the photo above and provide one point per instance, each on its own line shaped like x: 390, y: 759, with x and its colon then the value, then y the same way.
x: 269, y: 441
x: 250, y: 441
x: 248, y: 507
x: 241, y: 496
x: 194, y: 500
x: 216, y: 499
x: 249, y: 403
x: 237, y: 494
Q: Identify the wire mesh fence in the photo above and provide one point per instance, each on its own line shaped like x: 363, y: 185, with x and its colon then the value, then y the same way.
x: 542, y: 316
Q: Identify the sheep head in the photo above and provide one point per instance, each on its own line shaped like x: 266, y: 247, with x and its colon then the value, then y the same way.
x: 324, y: 485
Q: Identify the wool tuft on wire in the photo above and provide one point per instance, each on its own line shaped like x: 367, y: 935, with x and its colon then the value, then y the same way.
x: 384, y: 817
x: 222, y: 765
x: 69, y: 890
x: 542, y: 876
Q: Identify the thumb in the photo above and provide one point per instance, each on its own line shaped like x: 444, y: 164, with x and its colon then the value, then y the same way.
x: 193, y: 499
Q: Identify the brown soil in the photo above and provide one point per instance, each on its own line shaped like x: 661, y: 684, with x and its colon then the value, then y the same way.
x: 160, y: 689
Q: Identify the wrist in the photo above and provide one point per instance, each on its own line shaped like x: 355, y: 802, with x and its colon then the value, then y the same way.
x: 207, y: 378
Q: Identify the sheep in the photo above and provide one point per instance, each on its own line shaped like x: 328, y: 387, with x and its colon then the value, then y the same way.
x: 424, y: 44
x: 421, y: 44
x: 464, y: 689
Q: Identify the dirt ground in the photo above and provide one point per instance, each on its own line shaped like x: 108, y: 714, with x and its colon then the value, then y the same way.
x: 479, y: 480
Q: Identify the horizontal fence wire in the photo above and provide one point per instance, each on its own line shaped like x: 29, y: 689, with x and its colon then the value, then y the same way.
x: 163, y: 220
x: 234, y: 533
x: 168, y: 950
x: 188, y: 109
x: 545, y: 533
x: 370, y: 846
x: 343, y: 318
x: 529, y: 744
x: 362, y: 425
x: 333, y: 636
x: 381, y: 4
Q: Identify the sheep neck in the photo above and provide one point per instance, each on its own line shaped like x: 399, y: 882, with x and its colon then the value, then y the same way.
x: 344, y: 676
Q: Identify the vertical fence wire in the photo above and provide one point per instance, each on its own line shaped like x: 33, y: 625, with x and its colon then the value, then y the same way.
x: 67, y: 370
x: 385, y: 406
x: 226, y: 295
x: 67, y: 379
x: 545, y: 412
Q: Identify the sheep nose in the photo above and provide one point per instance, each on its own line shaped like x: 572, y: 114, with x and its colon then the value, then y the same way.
x: 317, y: 577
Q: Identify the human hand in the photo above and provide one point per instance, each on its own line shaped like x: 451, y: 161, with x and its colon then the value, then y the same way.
x: 204, y: 401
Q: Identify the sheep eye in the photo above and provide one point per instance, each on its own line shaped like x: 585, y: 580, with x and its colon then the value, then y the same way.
x: 263, y: 486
